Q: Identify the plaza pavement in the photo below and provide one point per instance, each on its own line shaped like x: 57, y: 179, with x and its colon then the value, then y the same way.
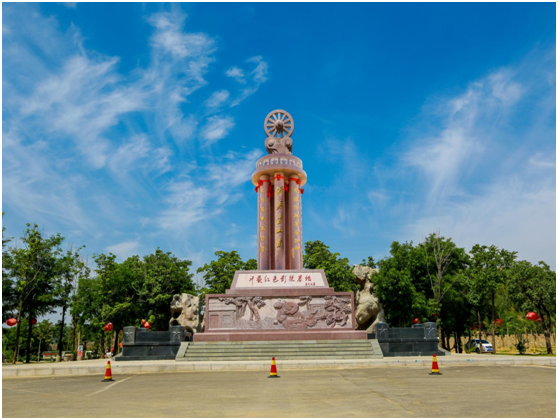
x: 383, y: 391
x: 97, y: 367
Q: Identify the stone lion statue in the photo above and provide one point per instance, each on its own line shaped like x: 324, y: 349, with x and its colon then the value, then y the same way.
x: 185, y: 311
x: 368, y: 310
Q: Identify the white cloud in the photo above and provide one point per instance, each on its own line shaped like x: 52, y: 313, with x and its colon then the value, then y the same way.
x: 124, y: 250
x: 216, y: 128
x: 237, y: 74
x: 254, y: 78
x: 217, y: 99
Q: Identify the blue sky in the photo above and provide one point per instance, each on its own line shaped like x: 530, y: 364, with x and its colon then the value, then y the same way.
x: 129, y: 126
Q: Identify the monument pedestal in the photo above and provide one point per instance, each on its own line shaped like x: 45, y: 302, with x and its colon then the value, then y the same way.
x: 279, y: 305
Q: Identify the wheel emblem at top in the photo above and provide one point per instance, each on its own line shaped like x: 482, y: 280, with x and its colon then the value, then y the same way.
x: 279, y: 124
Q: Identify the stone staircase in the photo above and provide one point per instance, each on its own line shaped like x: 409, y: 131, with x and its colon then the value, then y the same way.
x: 281, y: 350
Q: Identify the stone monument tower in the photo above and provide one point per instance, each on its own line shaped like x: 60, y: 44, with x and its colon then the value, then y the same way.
x: 280, y: 300
x: 279, y: 179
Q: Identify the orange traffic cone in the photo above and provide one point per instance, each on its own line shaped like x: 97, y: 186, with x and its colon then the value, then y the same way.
x: 435, y: 370
x: 273, y: 372
x: 108, y: 374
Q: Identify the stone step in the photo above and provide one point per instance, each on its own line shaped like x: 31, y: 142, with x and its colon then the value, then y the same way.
x: 257, y: 348
x: 281, y: 350
x: 292, y: 357
x: 278, y: 349
x: 297, y: 342
x: 276, y: 352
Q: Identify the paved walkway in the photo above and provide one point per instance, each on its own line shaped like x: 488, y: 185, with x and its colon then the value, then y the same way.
x: 97, y: 367
x: 461, y: 391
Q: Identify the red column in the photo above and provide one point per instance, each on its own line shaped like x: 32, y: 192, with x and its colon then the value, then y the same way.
x: 295, y: 223
x: 265, y: 233
x: 279, y: 220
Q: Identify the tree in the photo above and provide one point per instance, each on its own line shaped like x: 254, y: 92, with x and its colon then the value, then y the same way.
x: 163, y: 276
x: 444, y: 261
x: 534, y: 287
x: 70, y: 267
x: 488, y: 268
x: 218, y: 274
x: 32, y: 269
x: 44, y: 331
x: 338, y: 271
x: 402, y: 284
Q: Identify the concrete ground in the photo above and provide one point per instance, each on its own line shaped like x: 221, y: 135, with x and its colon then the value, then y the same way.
x: 462, y: 391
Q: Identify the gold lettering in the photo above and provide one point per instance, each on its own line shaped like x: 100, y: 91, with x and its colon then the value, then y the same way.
x: 296, y: 199
x: 263, y: 238
x: 262, y: 219
x: 280, y: 243
x: 262, y: 209
x: 296, y: 207
x: 279, y: 191
x: 263, y: 249
x: 296, y: 232
x: 292, y: 252
x: 263, y: 228
x: 280, y: 205
x: 296, y: 248
x: 296, y: 241
x: 296, y: 215
x: 296, y: 190
x: 279, y: 230
x: 262, y: 199
x: 280, y: 219
x: 296, y: 223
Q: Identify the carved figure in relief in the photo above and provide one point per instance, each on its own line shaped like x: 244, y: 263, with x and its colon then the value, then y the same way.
x: 368, y: 310
x: 290, y: 316
x: 185, y: 311
x: 337, y: 310
x: 252, y: 302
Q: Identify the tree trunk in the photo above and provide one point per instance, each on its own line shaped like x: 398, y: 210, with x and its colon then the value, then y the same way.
x: 16, y: 350
x: 493, y: 326
x: 61, y: 335
x: 480, y: 333
x: 116, y: 341
x: 29, y: 334
x: 442, y: 342
x: 547, y: 325
x: 39, y: 352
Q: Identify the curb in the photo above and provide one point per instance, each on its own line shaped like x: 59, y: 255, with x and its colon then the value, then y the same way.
x: 172, y: 366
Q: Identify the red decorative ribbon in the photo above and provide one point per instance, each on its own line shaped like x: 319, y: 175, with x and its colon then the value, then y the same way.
x: 260, y: 183
x: 302, y: 190
x: 279, y: 177
x: 295, y: 180
x: 270, y: 191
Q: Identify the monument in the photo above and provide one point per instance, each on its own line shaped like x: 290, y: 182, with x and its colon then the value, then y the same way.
x: 280, y: 300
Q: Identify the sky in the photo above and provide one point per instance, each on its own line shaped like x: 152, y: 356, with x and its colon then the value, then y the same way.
x: 132, y: 126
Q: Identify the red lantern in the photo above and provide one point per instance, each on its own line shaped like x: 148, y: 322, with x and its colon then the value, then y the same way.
x: 498, y: 322
x: 119, y: 344
x: 33, y: 321
x: 142, y: 321
x: 473, y: 328
x: 416, y: 321
x: 147, y: 325
x: 531, y: 316
x: 11, y: 322
x: 108, y: 327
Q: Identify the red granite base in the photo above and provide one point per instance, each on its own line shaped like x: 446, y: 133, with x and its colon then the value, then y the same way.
x: 281, y: 335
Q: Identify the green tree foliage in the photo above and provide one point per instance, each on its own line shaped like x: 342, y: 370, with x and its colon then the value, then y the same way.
x: 162, y: 276
x: 70, y: 267
x: 338, y: 271
x: 488, y: 268
x: 402, y: 284
x: 533, y: 288
x: 32, y: 270
x: 218, y: 274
